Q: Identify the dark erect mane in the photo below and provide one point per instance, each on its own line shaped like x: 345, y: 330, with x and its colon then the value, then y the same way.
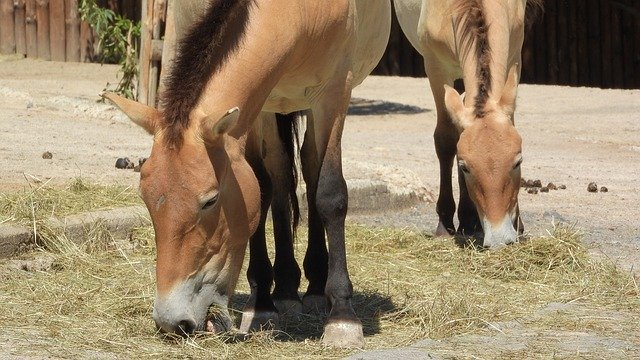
x: 474, y: 32
x: 475, y: 37
x: 199, y: 55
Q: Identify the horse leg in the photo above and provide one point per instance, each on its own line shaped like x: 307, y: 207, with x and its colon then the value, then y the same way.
x: 316, y: 259
x: 446, y: 139
x: 343, y: 328
x: 259, y: 312
x: 469, y: 221
x: 467, y: 213
x: 281, y: 167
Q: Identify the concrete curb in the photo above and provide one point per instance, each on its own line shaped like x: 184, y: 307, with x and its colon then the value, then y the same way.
x: 15, y: 240
x: 364, y: 196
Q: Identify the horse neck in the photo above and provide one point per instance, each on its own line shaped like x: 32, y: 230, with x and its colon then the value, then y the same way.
x: 502, y: 53
x: 249, y: 73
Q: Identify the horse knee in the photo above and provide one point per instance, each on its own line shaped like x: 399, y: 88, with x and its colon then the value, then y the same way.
x: 332, y: 198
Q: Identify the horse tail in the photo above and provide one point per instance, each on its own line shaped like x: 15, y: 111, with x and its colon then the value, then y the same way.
x: 288, y: 133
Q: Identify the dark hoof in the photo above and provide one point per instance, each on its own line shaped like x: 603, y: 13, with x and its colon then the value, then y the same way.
x: 288, y: 307
x: 314, y: 304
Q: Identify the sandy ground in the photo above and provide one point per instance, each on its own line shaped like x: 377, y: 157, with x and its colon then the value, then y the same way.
x: 572, y: 136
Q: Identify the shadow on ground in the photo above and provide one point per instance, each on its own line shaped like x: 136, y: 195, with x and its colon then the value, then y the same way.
x: 360, y: 106
x: 369, y: 307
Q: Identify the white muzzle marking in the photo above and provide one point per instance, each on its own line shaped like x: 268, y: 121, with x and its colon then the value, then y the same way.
x: 499, y: 234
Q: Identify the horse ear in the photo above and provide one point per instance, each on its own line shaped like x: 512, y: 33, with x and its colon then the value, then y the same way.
x: 510, y: 91
x: 455, y: 106
x: 216, y: 127
x: 142, y: 115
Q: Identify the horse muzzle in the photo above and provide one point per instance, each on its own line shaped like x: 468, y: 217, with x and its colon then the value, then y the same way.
x: 184, y: 310
x: 500, y: 233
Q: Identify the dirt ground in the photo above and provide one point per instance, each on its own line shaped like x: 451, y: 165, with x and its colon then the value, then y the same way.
x: 572, y: 136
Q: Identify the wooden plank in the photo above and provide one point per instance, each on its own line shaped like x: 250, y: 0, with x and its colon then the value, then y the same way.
x: 594, y: 43
x: 72, y: 30
x: 57, y: 30
x: 159, y: 17
x: 31, y: 31
x: 573, y: 42
x: 528, y: 62
x: 42, y: 22
x: 628, y: 51
x: 168, y: 46
x: 541, y: 54
x: 550, y: 17
x: 564, y: 68
x: 616, y: 45
x: 637, y: 46
x: 19, y: 27
x: 145, y: 51
x: 7, y: 28
x: 583, y: 46
x: 86, y: 42
x: 607, y: 57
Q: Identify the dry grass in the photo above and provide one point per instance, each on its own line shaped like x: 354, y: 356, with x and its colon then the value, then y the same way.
x: 95, y: 299
x: 41, y: 201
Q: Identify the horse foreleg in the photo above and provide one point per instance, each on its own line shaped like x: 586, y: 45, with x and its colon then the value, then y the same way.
x: 343, y: 328
x: 445, y: 138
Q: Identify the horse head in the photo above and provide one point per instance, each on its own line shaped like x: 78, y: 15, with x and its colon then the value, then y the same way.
x: 489, y: 154
x: 204, y: 203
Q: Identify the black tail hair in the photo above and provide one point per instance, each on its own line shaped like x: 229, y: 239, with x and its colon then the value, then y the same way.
x: 288, y: 133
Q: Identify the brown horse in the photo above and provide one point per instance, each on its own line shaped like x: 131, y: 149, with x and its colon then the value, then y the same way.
x: 238, y: 59
x: 479, y: 41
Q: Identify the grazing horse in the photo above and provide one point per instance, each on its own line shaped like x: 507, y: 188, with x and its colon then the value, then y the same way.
x: 479, y: 41
x: 237, y: 59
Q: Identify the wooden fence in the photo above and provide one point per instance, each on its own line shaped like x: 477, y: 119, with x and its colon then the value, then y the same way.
x: 576, y: 42
x: 51, y: 29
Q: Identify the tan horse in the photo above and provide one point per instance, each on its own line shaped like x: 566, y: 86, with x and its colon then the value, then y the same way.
x: 479, y: 41
x: 240, y: 58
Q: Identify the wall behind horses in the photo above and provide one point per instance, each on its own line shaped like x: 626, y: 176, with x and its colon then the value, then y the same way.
x: 576, y: 42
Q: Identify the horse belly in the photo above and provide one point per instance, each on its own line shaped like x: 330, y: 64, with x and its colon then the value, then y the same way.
x: 373, y: 28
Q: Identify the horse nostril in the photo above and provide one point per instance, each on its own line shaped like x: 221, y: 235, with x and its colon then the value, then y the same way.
x: 186, y: 327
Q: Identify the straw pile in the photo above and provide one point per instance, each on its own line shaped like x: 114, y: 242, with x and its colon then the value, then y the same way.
x: 95, y: 299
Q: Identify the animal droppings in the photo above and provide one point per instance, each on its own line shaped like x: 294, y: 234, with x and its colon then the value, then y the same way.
x: 552, y: 186
x: 124, y: 163
x: 141, y: 161
x: 532, y: 190
x: 523, y: 182
x: 562, y: 187
x: 47, y: 155
x: 537, y: 183
x: 592, y: 187
x: 136, y: 168
x: 544, y: 189
x: 604, y: 189
x: 529, y: 183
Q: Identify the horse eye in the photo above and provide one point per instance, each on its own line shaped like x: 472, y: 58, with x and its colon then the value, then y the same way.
x: 210, y: 202
x: 463, y: 167
x: 517, y: 164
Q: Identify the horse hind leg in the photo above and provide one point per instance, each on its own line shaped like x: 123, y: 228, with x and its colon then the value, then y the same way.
x: 280, y: 160
x: 316, y: 259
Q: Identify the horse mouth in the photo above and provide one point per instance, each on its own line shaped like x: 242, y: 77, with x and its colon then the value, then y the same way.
x: 218, y: 320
